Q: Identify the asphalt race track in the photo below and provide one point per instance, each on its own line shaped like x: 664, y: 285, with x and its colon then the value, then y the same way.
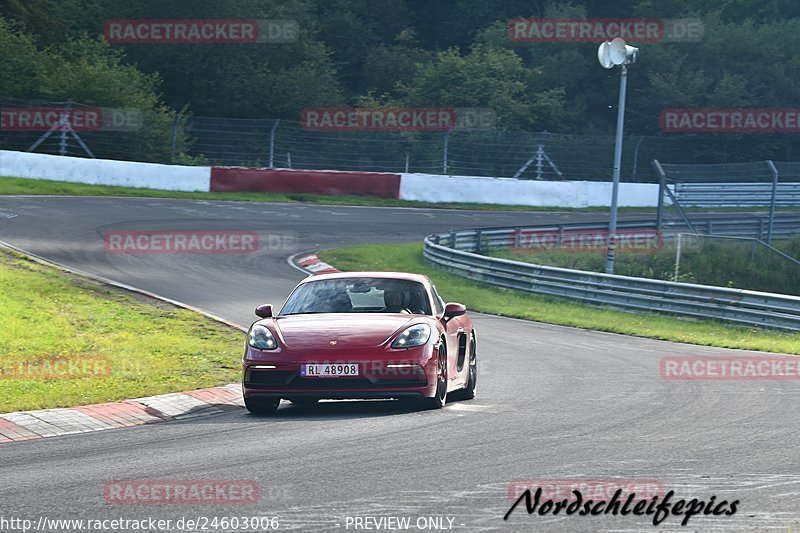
x: 553, y: 402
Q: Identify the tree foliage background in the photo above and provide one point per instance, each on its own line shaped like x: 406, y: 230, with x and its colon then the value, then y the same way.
x: 408, y: 53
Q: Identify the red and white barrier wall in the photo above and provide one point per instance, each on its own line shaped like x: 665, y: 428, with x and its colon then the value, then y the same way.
x: 104, y: 172
x: 423, y: 187
x: 509, y: 191
x: 330, y: 182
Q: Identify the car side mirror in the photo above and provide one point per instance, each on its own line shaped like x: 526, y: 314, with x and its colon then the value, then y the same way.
x: 453, y: 310
x: 264, y: 311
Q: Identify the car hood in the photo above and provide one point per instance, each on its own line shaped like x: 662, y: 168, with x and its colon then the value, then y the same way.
x: 348, y: 330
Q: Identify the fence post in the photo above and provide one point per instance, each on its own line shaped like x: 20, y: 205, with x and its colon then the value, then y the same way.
x: 62, y: 144
x: 408, y: 160
x: 175, y: 135
x: 661, y: 185
x: 636, y: 158
x: 272, y: 143
x: 446, y: 142
x: 539, y: 160
x: 677, y: 257
x: 774, y: 171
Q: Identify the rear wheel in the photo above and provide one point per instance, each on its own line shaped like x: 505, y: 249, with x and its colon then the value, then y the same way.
x: 262, y: 406
x: 440, y: 398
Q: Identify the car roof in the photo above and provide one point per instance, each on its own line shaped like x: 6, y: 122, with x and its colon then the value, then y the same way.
x: 409, y: 276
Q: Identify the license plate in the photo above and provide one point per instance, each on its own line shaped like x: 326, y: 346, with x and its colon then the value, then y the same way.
x: 333, y: 370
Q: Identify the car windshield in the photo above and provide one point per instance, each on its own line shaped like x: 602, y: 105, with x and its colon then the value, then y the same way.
x: 358, y: 295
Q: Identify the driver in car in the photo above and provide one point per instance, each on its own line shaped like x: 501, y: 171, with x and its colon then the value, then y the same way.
x: 394, y: 302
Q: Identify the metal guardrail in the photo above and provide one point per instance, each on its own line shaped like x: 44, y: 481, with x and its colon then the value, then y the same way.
x: 736, y: 194
x: 756, y: 227
x: 459, y: 252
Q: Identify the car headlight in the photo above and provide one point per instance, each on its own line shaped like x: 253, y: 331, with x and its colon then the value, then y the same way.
x: 413, y: 336
x: 261, y: 337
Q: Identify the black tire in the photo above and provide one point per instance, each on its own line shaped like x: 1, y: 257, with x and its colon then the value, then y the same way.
x: 304, y: 401
x: 440, y: 398
x: 262, y: 406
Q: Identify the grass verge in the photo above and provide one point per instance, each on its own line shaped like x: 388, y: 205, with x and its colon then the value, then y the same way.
x: 39, y: 187
x: 95, y: 343
x: 505, y: 302
x: 706, y: 261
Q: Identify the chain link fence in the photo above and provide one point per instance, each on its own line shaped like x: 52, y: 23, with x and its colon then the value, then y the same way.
x: 512, y: 154
x: 169, y: 137
x: 80, y: 130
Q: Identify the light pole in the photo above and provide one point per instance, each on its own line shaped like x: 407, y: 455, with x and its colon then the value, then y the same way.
x: 611, y: 54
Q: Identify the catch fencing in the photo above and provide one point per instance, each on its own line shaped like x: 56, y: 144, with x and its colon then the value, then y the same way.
x: 165, y: 136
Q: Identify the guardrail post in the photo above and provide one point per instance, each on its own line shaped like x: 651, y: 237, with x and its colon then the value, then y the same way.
x: 710, y: 227
x: 774, y: 171
x: 560, y: 237
x: 662, y: 183
x: 478, y: 235
x: 453, y: 240
x: 272, y: 143
x: 517, y: 237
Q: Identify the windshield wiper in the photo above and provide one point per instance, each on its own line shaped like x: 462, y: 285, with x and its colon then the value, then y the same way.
x: 310, y: 313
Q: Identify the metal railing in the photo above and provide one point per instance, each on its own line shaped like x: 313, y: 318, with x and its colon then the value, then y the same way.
x: 737, y: 194
x: 460, y: 253
x: 763, y: 183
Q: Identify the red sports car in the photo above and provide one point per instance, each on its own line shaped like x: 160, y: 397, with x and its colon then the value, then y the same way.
x: 360, y: 335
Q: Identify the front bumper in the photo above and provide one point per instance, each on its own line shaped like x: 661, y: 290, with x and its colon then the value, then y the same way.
x: 411, y: 376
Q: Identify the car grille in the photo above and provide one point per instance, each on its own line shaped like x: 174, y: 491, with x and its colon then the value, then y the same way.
x: 269, y: 378
x: 291, y: 381
x: 299, y: 383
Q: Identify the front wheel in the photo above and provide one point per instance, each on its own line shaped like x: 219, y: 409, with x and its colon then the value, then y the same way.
x: 262, y: 406
x: 440, y: 398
